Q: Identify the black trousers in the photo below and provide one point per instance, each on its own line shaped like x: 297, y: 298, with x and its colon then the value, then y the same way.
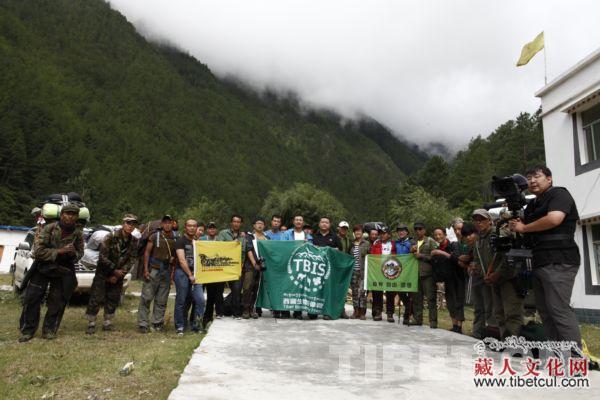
x: 454, y: 287
x: 390, y: 297
x: 56, y: 302
x: 214, y: 300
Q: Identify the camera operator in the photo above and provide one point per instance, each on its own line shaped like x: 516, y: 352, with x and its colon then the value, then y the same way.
x: 549, y: 226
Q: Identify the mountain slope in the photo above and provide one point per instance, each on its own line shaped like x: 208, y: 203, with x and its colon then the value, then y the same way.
x: 87, y: 104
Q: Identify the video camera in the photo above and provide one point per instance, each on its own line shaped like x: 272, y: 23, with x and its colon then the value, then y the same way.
x: 510, y: 200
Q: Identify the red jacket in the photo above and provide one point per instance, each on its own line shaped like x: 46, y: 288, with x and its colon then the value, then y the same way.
x: 376, y: 247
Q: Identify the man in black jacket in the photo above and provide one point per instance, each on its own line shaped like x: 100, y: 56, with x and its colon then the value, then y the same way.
x: 549, y: 223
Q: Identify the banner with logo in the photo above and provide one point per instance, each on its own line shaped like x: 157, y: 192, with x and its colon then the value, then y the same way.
x: 217, y: 261
x: 302, y: 277
x: 393, y: 273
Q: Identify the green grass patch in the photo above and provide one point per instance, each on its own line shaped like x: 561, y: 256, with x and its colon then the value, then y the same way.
x: 80, y: 366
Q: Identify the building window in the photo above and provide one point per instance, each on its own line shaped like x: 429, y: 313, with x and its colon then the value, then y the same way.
x: 590, y: 121
x: 596, y: 248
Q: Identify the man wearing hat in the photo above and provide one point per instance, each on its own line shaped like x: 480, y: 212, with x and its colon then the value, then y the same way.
x: 158, y: 258
x: 422, y: 246
x: 117, y: 256
x: 481, y: 293
x: 403, y: 247
x: 345, y: 240
x: 507, y: 305
x: 57, y: 249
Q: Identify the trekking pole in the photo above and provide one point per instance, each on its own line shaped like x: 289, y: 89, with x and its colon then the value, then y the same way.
x: 469, y: 288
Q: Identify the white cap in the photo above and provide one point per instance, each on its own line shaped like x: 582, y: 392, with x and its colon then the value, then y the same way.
x: 344, y: 224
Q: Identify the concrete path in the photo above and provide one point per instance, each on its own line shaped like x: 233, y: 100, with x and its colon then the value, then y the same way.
x: 344, y: 359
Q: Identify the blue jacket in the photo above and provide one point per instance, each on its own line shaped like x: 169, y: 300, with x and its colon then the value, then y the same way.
x: 275, y: 236
x: 289, y: 235
x: 403, y: 246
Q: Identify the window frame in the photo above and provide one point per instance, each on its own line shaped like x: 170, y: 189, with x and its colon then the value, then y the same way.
x: 591, y: 273
x: 580, y: 145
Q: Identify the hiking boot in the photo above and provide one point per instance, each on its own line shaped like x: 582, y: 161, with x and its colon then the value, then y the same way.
x: 362, y: 314
x: 285, y: 315
x: 108, y: 328
x: 255, y: 315
x: 343, y: 315
x: 298, y: 316
x: 158, y: 328
x: 238, y: 317
x: 91, y: 329
x: 433, y: 325
x: 276, y: 314
x: 219, y: 316
x: 49, y: 335
x: 326, y: 317
x: 26, y: 337
x: 355, y: 314
x: 258, y: 311
x: 143, y: 329
x: 406, y: 322
x: 390, y: 318
x: 377, y: 317
x: 245, y: 315
x: 415, y: 323
x: 313, y: 316
x: 179, y: 331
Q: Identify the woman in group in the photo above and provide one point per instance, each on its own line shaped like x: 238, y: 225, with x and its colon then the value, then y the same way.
x: 359, y: 249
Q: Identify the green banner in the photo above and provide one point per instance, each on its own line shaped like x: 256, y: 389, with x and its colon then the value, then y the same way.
x: 302, y: 277
x: 392, y: 273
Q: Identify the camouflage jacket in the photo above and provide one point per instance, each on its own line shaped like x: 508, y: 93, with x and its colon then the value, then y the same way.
x: 51, y: 239
x: 485, y: 258
x: 116, y: 252
x: 428, y: 245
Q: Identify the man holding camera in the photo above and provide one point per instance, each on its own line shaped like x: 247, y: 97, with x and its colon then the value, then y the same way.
x: 549, y: 224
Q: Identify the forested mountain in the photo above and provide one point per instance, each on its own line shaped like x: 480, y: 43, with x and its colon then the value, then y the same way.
x: 88, y: 105
x: 465, y: 181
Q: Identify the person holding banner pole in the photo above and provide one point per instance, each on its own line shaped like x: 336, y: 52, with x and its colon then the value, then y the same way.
x: 403, y: 247
x: 233, y: 233
x: 422, y: 246
x: 214, y: 291
x: 324, y: 237
x: 252, y: 269
x: 297, y: 233
x: 384, y: 245
x: 185, y: 282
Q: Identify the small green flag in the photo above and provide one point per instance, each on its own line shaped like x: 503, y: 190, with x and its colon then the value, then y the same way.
x: 393, y: 273
x: 531, y: 49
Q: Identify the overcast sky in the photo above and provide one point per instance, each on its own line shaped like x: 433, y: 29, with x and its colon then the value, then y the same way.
x: 431, y: 70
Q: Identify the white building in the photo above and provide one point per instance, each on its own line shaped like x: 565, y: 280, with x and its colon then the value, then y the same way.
x: 10, y: 237
x: 571, y: 119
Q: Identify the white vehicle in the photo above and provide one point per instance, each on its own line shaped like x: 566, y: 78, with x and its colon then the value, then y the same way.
x: 84, y: 271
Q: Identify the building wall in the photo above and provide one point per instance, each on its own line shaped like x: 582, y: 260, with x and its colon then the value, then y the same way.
x: 560, y: 157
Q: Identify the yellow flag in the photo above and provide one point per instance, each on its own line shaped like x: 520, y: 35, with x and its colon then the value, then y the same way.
x: 217, y: 261
x: 531, y: 49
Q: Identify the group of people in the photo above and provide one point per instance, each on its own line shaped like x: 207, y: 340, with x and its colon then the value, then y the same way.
x: 470, y: 268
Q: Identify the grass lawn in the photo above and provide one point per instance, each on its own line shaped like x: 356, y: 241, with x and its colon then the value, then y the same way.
x: 80, y: 366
